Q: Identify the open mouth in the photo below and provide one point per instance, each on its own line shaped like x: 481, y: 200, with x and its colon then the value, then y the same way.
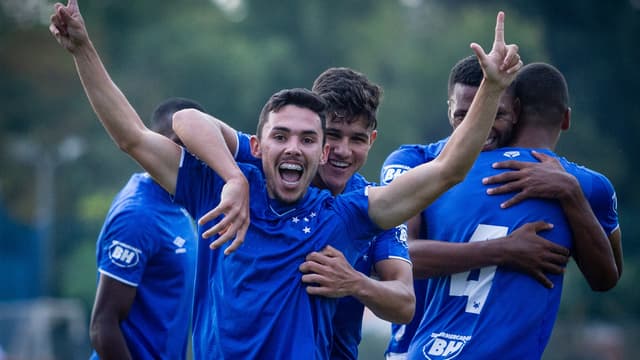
x: 290, y: 173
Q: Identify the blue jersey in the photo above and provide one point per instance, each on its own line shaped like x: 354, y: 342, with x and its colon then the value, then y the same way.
x: 391, y: 244
x: 252, y: 303
x: 149, y: 242
x: 494, y: 312
x: 397, y: 163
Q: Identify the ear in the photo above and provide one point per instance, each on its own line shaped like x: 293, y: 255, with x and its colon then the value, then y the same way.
x: 450, y: 112
x: 325, y: 154
x: 255, y: 146
x: 566, y: 119
x: 517, y: 109
x: 372, y: 137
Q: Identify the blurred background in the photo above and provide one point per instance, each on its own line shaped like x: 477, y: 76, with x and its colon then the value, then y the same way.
x: 59, y: 169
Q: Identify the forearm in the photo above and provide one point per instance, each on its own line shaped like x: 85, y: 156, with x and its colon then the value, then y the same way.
x: 155, y: 153
x: 205, y: 138
x: 433, y: 258
x: 419, y: 187
x: 391, y: 300
x: 110, y: 105
x: 108, y: 341
x: 592, y: 249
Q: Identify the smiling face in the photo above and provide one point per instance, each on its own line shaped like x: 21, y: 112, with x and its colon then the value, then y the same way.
x: 501, y: 131
x: 291, y: 148
x: 349, y: 144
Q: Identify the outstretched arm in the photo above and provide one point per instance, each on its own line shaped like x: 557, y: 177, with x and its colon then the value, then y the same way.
x: 599, y: 257
x: 391, y: 298
x: 413, y: 191
x: 156, y: 153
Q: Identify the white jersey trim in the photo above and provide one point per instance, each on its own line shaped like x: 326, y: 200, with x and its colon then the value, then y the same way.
x: 104, y: 272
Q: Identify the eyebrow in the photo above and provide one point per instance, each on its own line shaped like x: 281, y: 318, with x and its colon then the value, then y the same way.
x: 288, y: 130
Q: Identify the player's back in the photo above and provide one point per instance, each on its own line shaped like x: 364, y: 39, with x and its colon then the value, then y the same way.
x: 491, y: 312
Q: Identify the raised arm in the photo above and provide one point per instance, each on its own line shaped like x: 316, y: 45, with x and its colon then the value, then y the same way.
x: 598, y: 256
x: 413, y: 191
x: 213, y: 142
x: 155, y: 153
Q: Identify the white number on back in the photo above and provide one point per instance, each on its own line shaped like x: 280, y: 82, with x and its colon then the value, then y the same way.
x: 477, y: 290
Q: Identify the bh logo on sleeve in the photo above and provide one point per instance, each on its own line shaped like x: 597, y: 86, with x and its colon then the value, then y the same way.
x: 123, y: 255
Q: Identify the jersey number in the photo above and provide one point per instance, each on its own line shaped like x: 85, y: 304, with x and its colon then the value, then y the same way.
x: 477, y: 291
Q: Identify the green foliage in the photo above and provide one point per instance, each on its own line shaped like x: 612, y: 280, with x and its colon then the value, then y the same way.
x: 232, y: 61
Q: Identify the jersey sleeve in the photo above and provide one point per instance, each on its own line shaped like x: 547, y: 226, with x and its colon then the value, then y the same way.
x: 405, y: 158
x: 125, y: 245
x: 353, y: 210
x: 391, y: 244
x: 604, y: 203
x: 198, y: 187
x: 243, y: 152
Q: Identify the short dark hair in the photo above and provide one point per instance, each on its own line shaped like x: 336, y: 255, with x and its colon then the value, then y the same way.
x: 467, y: 71
x: 162, y: 116
x: 300, y: 97
x: 543, y: 93
x: 349, y: 94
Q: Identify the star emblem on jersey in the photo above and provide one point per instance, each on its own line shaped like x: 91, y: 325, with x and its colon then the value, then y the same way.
x: 512, y: 154
x: 304, y: 222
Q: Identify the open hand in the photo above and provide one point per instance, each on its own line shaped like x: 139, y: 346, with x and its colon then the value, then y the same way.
x: 234, y: 205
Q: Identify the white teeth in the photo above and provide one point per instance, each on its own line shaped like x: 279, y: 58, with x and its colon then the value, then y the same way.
x: 339, y: 163
x: 288, y: 166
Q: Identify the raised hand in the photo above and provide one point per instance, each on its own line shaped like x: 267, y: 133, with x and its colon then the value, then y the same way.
x: 68, y: 27
x: 234, y: 205
x: 503, y: 62
x: 546, y: 179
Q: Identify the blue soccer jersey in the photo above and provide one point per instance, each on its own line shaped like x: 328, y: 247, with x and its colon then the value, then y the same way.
x: 252, y: 303
x: 494, y: 312
x: 149, y: 242
x: 396, y: 164
x: 391, y: 244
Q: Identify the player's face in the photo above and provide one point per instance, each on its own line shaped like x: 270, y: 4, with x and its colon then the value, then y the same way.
x: 502, y: 128
x: 291, y: 149
x: 349, y: 145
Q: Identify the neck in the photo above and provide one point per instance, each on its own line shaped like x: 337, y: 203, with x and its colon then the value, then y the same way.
x: 530, y: 137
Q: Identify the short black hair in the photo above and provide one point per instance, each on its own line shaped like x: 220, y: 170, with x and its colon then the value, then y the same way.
x: 162, y: 116
x: 543, y: 93
x: 467, y: 71
x: 300, y: 97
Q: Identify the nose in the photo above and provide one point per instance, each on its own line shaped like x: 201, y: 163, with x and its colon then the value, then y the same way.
x: 293, y: 147
x: 341, y: 147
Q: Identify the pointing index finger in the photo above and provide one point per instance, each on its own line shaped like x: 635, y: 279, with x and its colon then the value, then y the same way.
x: 499, y: 37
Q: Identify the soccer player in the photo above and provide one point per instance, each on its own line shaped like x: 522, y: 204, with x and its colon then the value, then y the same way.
x: 494, y: 311
x: 352, y: 102
x: 258, y: 305
x: 146, y: 254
